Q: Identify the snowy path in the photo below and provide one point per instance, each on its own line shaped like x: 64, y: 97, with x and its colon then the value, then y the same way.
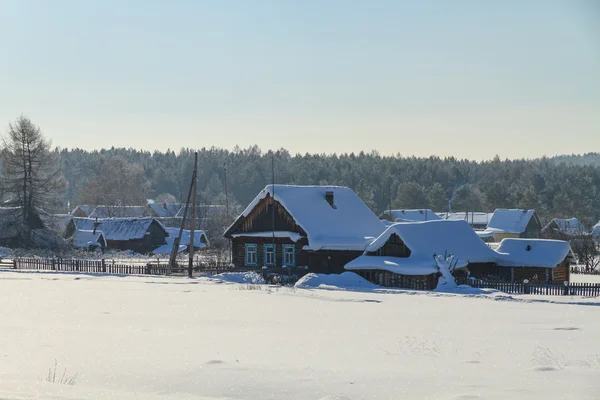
x: 169, y: 338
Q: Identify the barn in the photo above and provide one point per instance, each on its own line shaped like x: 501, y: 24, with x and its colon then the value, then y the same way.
x: 141, y: 235
x: 319, y: 228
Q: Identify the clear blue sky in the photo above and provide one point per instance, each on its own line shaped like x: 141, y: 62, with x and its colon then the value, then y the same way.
x: 518, y: 78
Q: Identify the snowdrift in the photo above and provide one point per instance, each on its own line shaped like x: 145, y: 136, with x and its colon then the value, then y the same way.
x: 343, y: 281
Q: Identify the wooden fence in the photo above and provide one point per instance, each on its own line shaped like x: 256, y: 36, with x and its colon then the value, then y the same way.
x: 112, y: 267
x: 546, y: 289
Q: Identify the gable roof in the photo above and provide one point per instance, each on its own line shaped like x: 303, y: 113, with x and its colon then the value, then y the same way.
x: 534, y: 253
x: 86, y: 238
x: 456, y: 237
x: 184, y: 243
x: 412, y: 215
x: 347, y: 225
x: 570, y: 226
x: 510, y: 220
x: 119, y: 229
x: 165, y: 210
x: 85, y: 208
x: 118, y: 212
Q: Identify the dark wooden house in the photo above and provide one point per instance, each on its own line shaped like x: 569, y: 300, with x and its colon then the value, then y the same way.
x: 317, y: 228
x: 141, y: 235
x: 565, y: 229
x: 403, y: 256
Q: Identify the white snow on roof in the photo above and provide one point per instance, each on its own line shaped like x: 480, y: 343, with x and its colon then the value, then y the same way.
x: 165, y: 210
x: 86, y: 238
x: 185, y: 237
x: 510, y: 221
x: 425, y: 239
x: 533, y: 253
x: 570, y: 226
x: 293, y: 236
x: 87, y: 209
x: 347, y: 225
x: 596, y: 230
x: 118, y: 212
x: 473, y: 218
x: 119, y: 229
x: 412, y: 215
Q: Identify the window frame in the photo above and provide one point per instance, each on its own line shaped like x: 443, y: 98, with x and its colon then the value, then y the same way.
x: 274, y: 249
x: 293, y: 252
x: 247, y: 247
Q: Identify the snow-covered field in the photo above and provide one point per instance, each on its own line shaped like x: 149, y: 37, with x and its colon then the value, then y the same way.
x: 174, y: 338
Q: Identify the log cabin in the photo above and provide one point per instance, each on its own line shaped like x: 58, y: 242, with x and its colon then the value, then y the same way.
x: 403, y: 256
x: 317, y: 228
x: 565, y: 229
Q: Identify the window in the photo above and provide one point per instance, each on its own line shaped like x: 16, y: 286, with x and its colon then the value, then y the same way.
x: 289, y: 255
x: 269, y: 255
x: 251, y: 254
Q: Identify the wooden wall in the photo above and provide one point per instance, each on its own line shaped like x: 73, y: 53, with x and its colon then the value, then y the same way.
x: 238, y: 248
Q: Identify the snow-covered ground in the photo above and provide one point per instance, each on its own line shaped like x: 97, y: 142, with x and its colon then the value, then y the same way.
x: 585, y: 278
x: 174, y: 338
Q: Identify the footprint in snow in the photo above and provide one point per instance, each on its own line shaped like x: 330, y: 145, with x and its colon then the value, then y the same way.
x: 214, y: 362
x: 569, y: 328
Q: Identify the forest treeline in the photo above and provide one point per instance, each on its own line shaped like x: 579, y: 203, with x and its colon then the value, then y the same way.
x: 558, y: 187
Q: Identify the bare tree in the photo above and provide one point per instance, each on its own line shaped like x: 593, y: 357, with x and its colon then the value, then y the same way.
x: 117, y: 183
x: 587, y: 253
x: 31, y: 172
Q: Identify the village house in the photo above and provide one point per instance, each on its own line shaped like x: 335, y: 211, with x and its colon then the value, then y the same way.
x: 477, y: 220
x: 403, y: 256
x: 141, y: 235
x: 200, y: 241
x: 164, y: 210
x: 88, y: 240
x: 82, y: 211
x: 512, y: 223
x: 320, y: 228
x: 119, y: 212
x: 564, y: 229
x: 409, y: 215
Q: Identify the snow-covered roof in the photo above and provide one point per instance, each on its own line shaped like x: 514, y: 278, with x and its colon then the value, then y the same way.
x: 456, y: 237
x: 412, y: 215
x: 199, y: 235
x: 119, y: 229
x: 424, y: 239
x: 347, y: 225
x: 533, y: 253
x: 473, y: 218
x: 165, y: 210
x: 118, y: 212
x: 293, y: 236
x: 596, y: 230
x: 87, y: 209
x: 569, y: 226
x: 510, y: 220
x: 86, y: 238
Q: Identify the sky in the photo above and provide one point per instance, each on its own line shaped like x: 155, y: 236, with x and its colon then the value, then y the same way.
x: 470, y: 79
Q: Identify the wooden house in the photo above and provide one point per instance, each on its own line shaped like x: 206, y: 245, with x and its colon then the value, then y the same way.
x: 82, y: 211
x: 512, y: 223
x: 89, y: 240
x: 565, y: 229
x: 164, y: 210
x: 141, y: 235
x: 403, y: 256
x: 318, y: 228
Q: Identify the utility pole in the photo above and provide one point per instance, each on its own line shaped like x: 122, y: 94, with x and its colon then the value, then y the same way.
x: 175, y: 248
x: 227, y: 210
x: 193, y: 216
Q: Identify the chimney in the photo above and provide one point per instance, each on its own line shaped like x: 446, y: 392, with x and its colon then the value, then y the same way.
x: 329, y: 197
